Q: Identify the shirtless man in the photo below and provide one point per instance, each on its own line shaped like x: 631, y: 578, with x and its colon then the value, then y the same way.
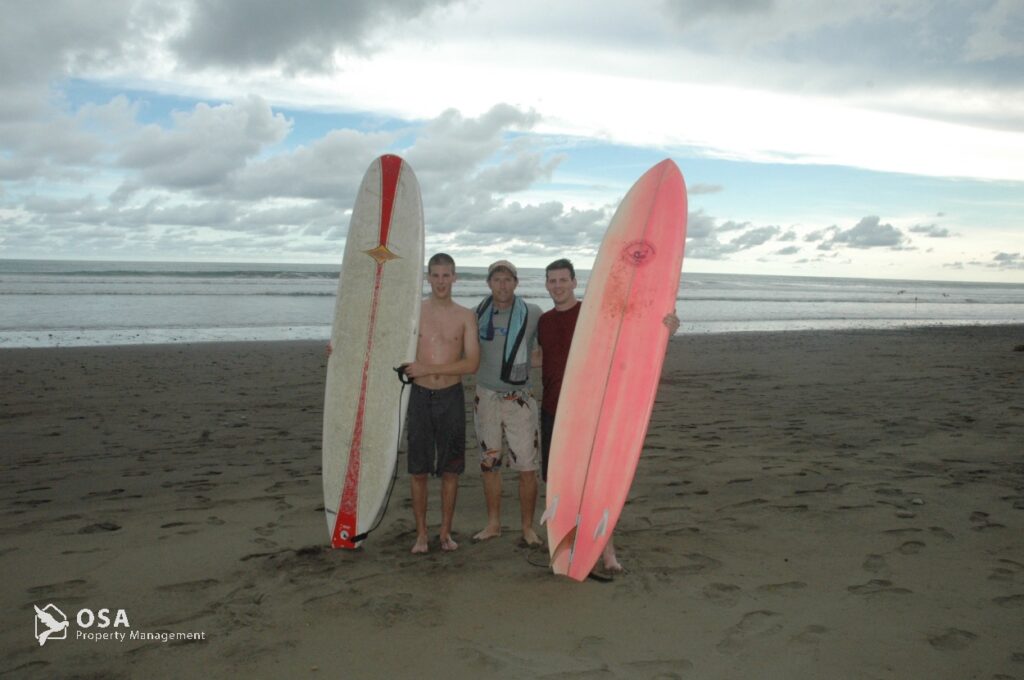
x: 448, y: 348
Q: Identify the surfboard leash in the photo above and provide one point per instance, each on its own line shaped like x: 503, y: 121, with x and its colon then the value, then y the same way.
x: 406, y: 381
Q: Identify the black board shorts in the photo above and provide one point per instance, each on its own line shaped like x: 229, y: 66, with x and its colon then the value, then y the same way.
x: 437, y: 430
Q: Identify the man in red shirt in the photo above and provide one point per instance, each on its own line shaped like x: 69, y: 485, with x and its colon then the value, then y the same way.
x: 554, y: 338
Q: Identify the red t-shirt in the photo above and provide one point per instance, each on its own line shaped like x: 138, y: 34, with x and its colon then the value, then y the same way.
x: 554, y: 334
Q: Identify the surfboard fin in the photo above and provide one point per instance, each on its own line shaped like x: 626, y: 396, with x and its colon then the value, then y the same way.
x: 602, y: 526
x: 550, y: 511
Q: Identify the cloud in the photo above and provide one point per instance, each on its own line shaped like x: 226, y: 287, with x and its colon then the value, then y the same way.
x: 702, y: 237
x: 821, y: 234
x: 300, y: 35
x: 204, y: 146
x: 789, y: 250
x: 754, y: 237
x: 957, y: 62
x: 930, y: 230
x: 998, y: 32
x: 330, y: 169
x: 1002, y: 261
x: 452, y: 143
x: 466, y: 166
x: 700, y: 189
x: 40, y: 39
x: 203, y: 178
x: 868, y: 233
x: 1008, y: 261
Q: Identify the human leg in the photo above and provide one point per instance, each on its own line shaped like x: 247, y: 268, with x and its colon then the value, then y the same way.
x: 527, y: 506
x: 449, y: 492
x: 492, y: 494
x: 487, y: 421
x: 547, y: 428
x: 610, y: 561
x: 419, y: 511
x: 451, y: 454
x: 521, y: 429
x: 420, y: 455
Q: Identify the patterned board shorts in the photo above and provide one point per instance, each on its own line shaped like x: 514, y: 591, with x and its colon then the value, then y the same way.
x: 513, y: 414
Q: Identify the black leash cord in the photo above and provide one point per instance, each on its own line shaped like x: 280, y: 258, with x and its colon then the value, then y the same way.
x: 405, y: 380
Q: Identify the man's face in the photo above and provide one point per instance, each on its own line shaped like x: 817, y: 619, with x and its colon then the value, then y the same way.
x: 503, y: 287
x: 561, y: 286
x: 441, y: 278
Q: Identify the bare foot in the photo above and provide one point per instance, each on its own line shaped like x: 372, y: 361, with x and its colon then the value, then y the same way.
x: 488, y: 532
x: 531, y: 539
x: 448, y: 545
x: 611, y: 563
x: 421, y: 547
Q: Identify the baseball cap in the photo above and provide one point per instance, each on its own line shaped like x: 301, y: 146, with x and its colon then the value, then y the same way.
x: 503, y: 264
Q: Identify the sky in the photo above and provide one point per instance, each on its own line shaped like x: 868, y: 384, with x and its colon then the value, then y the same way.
x: 879, y: 139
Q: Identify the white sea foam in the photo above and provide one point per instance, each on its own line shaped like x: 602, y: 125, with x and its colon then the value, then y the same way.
x: 112, y: 303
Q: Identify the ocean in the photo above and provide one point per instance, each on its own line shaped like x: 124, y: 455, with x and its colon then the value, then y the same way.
x: 64, y: 303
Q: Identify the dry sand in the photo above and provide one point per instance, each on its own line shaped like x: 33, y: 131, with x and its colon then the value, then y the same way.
x: 808, y: 505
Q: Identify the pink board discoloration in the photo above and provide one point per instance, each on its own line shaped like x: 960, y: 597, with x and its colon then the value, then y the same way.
x: 613, y: 369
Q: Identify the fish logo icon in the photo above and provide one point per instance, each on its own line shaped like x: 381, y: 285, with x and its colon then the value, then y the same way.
x: 51, y: 623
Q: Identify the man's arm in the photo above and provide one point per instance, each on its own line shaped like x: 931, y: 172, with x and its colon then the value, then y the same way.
x: 537, y: 358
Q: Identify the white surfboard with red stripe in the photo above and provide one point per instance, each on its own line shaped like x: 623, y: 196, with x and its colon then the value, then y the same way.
x: 375, y: 324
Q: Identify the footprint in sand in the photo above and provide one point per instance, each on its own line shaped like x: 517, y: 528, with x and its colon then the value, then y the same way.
x: 659, y: 669
x: 874, y: 563
x: 911, y: 547
x: 878, y: 587
x: 699, y: 563
x: 1002, y: 574
x: 63, y: 589
x: 1010, y: 601
x: 113, y: 493
x: 724, y: 594
x: 189, y: 586
x: 798, y: 507
x: 897, y: 532
x: 981, y: 521
x: 952, y: 639
x: 811, y: 635
x: 99, y: 527
x: 788, y: 586
x: 753, y: 625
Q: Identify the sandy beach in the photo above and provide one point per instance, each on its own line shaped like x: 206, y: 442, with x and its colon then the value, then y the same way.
x: 807, y: 505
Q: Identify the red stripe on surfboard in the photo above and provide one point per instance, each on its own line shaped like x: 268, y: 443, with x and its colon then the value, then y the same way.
x: 347, y: 518
x: 390, y: 169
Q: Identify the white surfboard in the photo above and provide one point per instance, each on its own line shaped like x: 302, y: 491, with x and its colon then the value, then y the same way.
x: 375, y: 324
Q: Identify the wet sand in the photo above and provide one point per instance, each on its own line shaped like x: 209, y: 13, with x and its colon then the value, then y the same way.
x: 808, y: 505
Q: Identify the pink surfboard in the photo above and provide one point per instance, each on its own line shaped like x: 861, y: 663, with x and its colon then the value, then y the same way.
x: 613, y: 370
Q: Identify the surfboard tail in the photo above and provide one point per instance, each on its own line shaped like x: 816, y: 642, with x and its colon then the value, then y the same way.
x: 561, y: 555
x: 344, y: 532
